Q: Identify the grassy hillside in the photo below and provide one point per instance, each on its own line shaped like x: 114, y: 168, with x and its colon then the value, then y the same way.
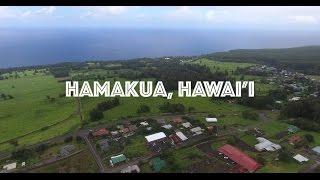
x: 306, y: 59
x: 30, y: 109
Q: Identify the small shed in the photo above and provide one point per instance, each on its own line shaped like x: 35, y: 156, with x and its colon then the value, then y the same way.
x: 293, y: 129
x: 211, y: 119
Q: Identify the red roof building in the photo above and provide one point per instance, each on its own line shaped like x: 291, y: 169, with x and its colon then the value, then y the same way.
x: 175, y: 139
x: 101, y: 132
x: 177, y: 119
x: 295, y: 139
x: 240, y: 158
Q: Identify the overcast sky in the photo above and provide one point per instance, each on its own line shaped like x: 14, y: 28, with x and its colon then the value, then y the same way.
x: 294, y: 17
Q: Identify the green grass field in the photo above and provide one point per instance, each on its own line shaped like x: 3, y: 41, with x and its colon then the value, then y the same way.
x: 30, y: 109
x: 221, y: 66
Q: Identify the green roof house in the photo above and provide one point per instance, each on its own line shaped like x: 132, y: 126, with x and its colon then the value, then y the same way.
x: 117, y: 159
x: 158, y: 164
x: 293, y: 129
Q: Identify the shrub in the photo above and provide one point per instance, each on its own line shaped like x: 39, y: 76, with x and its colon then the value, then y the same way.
x: 68, y: 139
x: 250, y: 115
x: 143, y: 109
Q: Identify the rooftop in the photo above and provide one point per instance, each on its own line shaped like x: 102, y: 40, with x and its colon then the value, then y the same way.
x: 156, y: 136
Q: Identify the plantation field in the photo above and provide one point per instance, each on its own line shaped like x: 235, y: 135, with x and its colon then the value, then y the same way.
x: 31, y: 110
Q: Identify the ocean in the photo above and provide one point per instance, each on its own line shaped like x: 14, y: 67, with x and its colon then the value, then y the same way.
x: 38, y: 46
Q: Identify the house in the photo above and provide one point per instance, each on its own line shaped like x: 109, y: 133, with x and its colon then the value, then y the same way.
x: 131, y: 169
x: 144, y: 123
x: 67, y: 150
x: 9, y: 167
x: 267, y: 145
x: 295, y: 99
x: 133, y: 128
x: 186, y: 125
x: 196, y: 130
x: 316, y: 150
x: 243, y: 160
x: 103, y: 144
x: 175, y: 139
x: 117, y: 159
x: 115, y: 134
x: 101, y: 132
x: 177, y: 120
x: 295, y: 139
x: 167, y: 126
x: 120, y: 127
x: 161, y: 121
x: 300, y: 158
x: 293, y: 129
x: 158, y: 164
x: 125, y: 130
x: 211, y: 119
x: 181, y: 136
x: 155, y: 137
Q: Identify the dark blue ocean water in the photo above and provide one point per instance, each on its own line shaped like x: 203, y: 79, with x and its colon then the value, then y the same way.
x: 20, y: 47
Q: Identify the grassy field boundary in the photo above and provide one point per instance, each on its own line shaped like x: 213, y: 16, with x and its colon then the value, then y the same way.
x: 40, y: 129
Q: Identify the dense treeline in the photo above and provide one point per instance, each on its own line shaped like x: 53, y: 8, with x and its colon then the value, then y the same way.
x: 172, y: 108
x: 306, y: 113
x: 97, y: 113
x: 304, y: 59
x: 63, y: 69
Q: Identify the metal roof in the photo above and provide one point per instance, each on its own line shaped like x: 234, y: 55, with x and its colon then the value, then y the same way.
x: 156, y: 136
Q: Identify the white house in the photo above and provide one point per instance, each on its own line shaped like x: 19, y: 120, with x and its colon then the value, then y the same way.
x: 167, y: 126
x: 186, y: 125
x: 181, y: 136
x: 267, y: 145
x: 144, y: 123
x: 10, y: 166
x: 300, y: 158
x: 155, y: 137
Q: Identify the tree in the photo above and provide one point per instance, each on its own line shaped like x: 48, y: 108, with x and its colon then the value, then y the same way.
x: 143, y: 109
x: 248, y: 114
x: 284, y: 155
x: 68, y: 139
x: 191, y: 109
x: 309, y: 138
x: 95, y: 114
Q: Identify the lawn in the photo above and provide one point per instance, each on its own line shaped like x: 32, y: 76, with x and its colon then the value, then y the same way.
x: 136, y: 147
x: 31, y: 110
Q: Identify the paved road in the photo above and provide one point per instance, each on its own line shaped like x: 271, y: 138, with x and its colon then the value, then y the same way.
x: 95, y: 154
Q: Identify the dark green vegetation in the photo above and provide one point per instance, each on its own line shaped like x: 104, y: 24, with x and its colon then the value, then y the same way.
x: 305, y: 59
